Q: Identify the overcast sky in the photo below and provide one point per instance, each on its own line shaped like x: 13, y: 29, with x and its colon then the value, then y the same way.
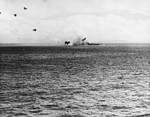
x: 58, y: 20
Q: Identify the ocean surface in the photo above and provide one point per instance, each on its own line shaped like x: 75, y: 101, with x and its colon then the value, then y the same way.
x: 88, y: 81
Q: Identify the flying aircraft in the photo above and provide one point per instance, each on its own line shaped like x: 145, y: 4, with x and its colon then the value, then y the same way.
x: 15, y: 15
x: 25, y: 8
x: 34, y: 29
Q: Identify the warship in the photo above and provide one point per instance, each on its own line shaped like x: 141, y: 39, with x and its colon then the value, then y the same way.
x: 80, y: 42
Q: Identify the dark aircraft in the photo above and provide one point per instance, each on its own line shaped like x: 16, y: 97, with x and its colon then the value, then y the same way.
x: 24, y: 8
x: 84, y: 39
x: 15, y: 15
x: 34, y: 29
x: 67, y: 42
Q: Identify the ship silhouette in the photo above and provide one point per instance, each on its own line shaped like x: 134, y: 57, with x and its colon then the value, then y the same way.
x: 84, y: 41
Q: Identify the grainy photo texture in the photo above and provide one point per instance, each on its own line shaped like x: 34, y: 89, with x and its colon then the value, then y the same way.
x: 74, y: 58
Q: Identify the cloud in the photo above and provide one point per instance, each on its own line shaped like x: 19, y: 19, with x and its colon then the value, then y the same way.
x: 56, y: 21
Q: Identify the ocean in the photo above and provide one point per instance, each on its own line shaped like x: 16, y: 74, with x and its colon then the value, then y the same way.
x: 84, y: 81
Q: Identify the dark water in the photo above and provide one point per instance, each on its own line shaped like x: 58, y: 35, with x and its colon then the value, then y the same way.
x: 75, y: 81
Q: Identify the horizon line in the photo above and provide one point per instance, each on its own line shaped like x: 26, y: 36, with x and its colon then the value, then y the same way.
x: 49, y: 44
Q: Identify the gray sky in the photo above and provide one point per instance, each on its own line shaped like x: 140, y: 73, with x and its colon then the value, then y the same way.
x: 58, y: 20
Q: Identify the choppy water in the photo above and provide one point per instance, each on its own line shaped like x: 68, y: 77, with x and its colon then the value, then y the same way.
x: 75, y: 81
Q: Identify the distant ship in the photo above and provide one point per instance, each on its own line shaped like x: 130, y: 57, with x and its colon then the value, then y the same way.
x: 84, y: 42
x: 93, y: 43
x: 80, y: 42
